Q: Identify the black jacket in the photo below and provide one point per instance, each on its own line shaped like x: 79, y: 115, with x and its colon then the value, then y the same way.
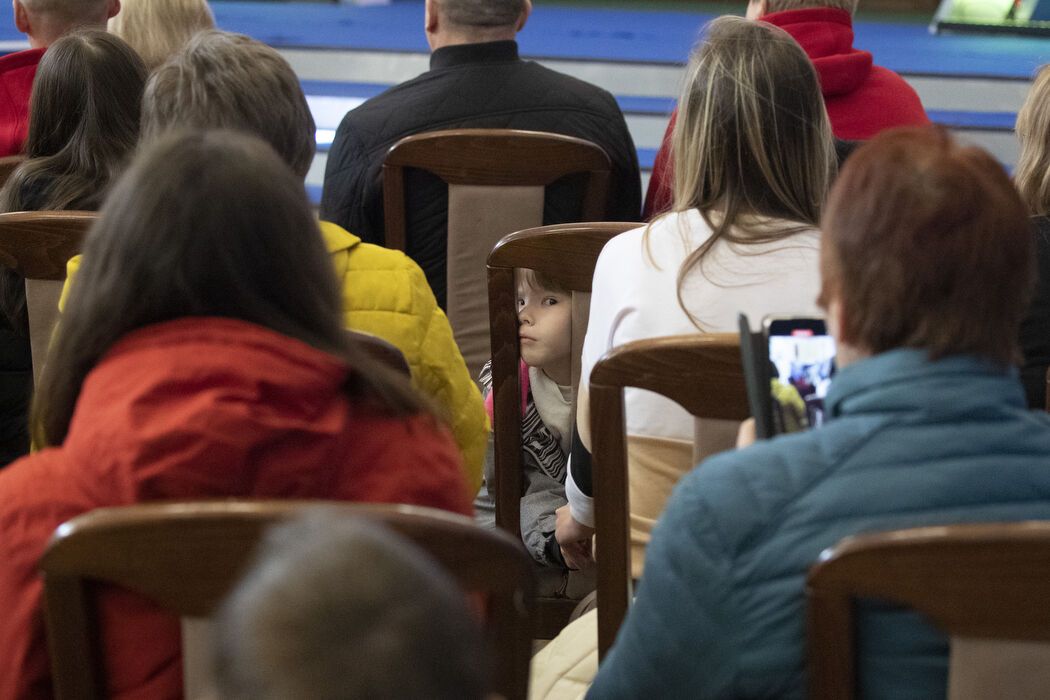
x: 1035, y: 328
x: 470, y: 86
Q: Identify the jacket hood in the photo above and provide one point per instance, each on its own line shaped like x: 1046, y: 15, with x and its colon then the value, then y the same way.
x: 337, y: 238
x: 826, y: 35
x: 208, y: 405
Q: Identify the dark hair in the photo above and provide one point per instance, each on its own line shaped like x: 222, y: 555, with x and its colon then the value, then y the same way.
x: 482, y: 13
x: 335, y: 608
x: 207, y: 223
x: 83, y: 123
x: 221, y: 80
x: 927, y: 245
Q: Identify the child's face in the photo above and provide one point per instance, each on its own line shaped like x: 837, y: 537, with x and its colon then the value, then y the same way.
x: 545, y: 330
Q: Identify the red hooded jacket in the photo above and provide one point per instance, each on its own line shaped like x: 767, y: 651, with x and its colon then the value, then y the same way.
x: 198, y: 408
x: 862, y: 99
x: 17, y: 71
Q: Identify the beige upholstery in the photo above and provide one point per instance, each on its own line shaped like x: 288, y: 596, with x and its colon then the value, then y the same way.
x: 42, y: 307
x: 478, y: 217
x: 994, y: 668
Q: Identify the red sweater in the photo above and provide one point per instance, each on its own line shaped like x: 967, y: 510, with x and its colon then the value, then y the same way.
x: 862, y: 99
x: 17, y: 71
x: 198, y: 408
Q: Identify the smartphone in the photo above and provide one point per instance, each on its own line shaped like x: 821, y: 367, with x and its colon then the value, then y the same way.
x: 801, y: 364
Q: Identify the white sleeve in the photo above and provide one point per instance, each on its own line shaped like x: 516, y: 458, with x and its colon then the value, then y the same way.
x: 581, y: 506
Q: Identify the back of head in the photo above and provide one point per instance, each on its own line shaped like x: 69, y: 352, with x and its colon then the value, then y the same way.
x: 482, y: 13
x: 927, y: 245
x: 157, y: 29
x: 752, y: 135
x: 205, y: 223
x: 1033, y: 130
x: 337, y: 608
x: 83, y: 122
x: 221, y: 80
x: 785, y: 5
x: 51, y: 19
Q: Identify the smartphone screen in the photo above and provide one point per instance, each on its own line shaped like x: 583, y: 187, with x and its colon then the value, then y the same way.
x: 801, y: 365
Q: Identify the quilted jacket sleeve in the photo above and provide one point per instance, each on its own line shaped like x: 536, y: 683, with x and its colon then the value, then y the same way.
x: 352, y: 195
x: 678, y: 639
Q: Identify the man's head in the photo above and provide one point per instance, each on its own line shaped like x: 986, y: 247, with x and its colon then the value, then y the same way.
x: 336, y: 608
x: 758, y: 8
x: 45, y: 21
x: 451, y: 22
x: 221, y: 80
x: 545, y: 325
x: 926, y: 245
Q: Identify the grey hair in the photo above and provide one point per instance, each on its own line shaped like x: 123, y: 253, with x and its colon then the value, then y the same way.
x: 772, y: 6
x: 220, y: 80
x: 337, y: 608
x: 482, y: 13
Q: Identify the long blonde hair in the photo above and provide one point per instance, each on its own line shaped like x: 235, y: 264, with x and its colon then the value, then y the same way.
x: 156, y: 29
x: 752, y: 145
x: 1033, y: 130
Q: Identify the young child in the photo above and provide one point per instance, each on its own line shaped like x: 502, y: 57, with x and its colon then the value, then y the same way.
x: 545, y: 331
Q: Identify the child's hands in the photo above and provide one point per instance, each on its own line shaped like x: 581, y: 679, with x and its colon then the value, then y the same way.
x: 574, y: 539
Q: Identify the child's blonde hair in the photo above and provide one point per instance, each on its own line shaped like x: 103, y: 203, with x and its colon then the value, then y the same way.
x: 1033, y: 130
x: 156, y: 29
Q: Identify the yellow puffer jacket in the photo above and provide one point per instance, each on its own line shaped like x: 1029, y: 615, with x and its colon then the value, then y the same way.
x: 386, y: 294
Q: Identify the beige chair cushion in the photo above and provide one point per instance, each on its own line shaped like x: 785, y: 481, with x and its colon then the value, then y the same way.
x: 992, y: 668
x: 42, y: 307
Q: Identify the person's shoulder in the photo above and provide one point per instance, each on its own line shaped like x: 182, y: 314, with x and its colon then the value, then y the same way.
x: 19, y: 60
x: 570, y: 88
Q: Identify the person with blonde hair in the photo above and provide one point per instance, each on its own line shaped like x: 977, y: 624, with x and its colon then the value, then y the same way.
x: 862, y: 98
x: 156, y: 29
x: 756, y: 157
x: 1032, y: 177
x: 225, y: 80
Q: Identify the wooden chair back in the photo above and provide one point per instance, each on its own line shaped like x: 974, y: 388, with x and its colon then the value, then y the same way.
x: 382, y: 351
x: 702, y: 373
x: 8, y: 164
x: 187, y: 557
x: 496, y: 181
x: 566, y: 253
x: 974, y: 582
x: 37, y: 246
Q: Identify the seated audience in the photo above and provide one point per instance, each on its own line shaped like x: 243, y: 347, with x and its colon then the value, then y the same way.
x: 545, y: 375
x: 862, y: 99
x: 202, y: 355
x: 337, y: 608
x: 157, y: 29
x: 476, y: 80
x: 927, y: 269
x: 756, y: 157
x: 1032, y: 176
x: 43, y: 22
x: 222, y: 80
x: 84, y: 123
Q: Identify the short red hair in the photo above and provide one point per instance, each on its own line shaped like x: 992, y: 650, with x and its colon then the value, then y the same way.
x: 927, y: 245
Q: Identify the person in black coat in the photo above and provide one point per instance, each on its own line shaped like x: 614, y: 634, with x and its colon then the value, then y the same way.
x: 476, y: 80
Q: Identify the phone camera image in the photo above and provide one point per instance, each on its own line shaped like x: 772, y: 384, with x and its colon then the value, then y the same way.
x: 802, y: 363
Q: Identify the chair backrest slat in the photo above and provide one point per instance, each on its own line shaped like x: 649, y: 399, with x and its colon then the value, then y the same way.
x: 703, y: 373
x: 187, y: 557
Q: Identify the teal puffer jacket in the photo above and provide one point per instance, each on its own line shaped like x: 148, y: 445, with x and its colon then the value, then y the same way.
x: 720, y: 611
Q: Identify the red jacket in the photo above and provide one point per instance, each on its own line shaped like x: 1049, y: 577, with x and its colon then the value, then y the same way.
x: 862, y: 99
x: 198, y: 408
x: 17, y: 71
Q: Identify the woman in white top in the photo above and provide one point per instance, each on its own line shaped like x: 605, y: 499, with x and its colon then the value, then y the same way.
x: 754, y: 157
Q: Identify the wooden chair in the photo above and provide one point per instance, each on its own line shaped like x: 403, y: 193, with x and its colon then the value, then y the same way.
x: 37, y: 246
x: 382, y: 351
x: 974, y: 582
x: 703, y: 373
x: 188, y: 556
x: 496, y: 180
x: 566, y: 253
x: 8, y: 164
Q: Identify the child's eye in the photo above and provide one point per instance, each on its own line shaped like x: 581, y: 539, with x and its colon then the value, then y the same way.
x: 549, y: 301
x: 521, y: 302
